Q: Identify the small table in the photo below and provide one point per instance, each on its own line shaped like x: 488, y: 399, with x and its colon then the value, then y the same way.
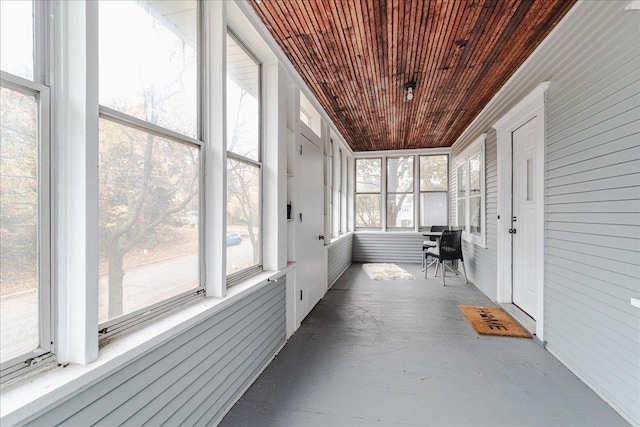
x: 436, y: 234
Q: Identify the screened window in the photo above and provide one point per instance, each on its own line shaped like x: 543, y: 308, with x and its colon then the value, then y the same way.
x: 149, y: 159
x: 368, y: 193
x: 470, y: 194
x: 244, y: 168
x: 434, y: 186
x: 400, y: 192
x: 25, y: 292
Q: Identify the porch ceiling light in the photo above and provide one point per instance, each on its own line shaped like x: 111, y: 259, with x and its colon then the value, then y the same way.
x: 410, y: 87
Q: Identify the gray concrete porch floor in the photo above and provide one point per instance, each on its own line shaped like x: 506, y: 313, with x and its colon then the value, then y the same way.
x: 400, y: 353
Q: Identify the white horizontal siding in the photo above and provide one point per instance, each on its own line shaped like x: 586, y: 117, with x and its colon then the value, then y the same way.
x: 191, y: 380
x: 339, y: 258
x: 592, y: 218
x: 388, y: 247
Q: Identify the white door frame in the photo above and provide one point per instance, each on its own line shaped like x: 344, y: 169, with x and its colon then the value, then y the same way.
x: 532, y: 106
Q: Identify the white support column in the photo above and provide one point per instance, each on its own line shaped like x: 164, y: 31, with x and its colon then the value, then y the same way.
x: 77, y: 182
x: 335, y: 183
x: 215, y: 148
x: 274, y: 166
x: 351, y: 193
x: 343, y: 193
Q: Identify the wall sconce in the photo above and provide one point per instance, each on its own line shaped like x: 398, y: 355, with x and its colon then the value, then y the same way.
x: 410, y: 87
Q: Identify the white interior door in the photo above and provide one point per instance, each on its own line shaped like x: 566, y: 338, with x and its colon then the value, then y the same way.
x: 523, y: 227
x: 310, y: 247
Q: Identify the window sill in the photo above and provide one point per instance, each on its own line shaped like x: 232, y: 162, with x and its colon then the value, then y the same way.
x: 337, y: 239
x: 393, y: 231
x: 27, y: 398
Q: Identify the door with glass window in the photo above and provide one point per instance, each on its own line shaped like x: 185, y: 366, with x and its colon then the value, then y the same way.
x: 524, y: 218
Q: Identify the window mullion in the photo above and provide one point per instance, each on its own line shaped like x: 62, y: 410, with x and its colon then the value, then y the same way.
x: 77, y: 178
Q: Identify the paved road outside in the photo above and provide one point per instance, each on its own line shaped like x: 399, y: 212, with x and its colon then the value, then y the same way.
x: 143, y: 286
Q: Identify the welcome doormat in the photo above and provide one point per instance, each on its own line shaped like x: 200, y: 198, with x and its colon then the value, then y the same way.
x: 492, y: 321
x: 382, y: 271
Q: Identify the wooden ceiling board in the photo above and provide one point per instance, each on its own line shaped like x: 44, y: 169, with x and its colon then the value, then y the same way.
x: 357, y: 55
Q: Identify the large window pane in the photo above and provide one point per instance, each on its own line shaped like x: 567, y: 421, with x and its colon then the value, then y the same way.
x: 368, y: 173
x: 434, y: 173
x: 475, y: 215
x: 19, y: 310
x: 400, y: 175
x: 149, y: 218
x: 462, y: 183
x: 243, y: 102
x: 16, y: 38
x: 474, y: 175
x: 399, y: 210
x: 148, y: 61
x: 433, y: 209
x: 462, y: 214
x: 243, y: 215
x: 367, y: 210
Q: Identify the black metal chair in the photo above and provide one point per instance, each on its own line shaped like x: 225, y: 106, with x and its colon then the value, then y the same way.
x: 449, y: 249
x: 431, y: 243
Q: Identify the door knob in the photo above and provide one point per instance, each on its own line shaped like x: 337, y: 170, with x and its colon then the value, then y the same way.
x: 321, y: 237
x: 512, y: 231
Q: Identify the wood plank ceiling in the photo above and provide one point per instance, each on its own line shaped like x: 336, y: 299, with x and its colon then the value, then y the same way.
x: 357, y: 55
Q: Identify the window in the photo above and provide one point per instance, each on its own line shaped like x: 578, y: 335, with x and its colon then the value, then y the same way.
x: 25, y: 288
x: 149, y: 160
x: 340, y: 192
x: 244, y: 168
x: 434, y: 184
x: 470, y: 196
x: 329, y: 185
x: 368, y: 193
x: 400, y: 192
x: 305, y: 117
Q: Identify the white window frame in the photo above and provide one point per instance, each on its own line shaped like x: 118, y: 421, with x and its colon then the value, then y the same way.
x: 412, y: 192
x: 126, y: 322
x: 42, y: 356
x: 477, y: 147
x: 239, y: 276
x: 419, y: 191
x: 25, y: 362
x: 380, y: 193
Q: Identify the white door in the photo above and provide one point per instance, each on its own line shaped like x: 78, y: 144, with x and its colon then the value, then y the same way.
x: 310, y: 247
x: 523, y: 225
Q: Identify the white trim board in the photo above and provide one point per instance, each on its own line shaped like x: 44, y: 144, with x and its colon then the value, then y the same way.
x: 532, y: 106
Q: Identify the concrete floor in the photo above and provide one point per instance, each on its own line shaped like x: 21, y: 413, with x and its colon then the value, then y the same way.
x: 400, y: 353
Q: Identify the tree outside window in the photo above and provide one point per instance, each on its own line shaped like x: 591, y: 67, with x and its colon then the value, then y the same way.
x: 244, y: 170
x: 368, y: 193
x: 149, y: 174
x: 400, y: 192
x: 434, y: 186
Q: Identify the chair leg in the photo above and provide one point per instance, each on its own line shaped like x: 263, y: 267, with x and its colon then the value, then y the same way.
x: 465, y: 272
x: 443, y: 273
x: 424, y: 259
